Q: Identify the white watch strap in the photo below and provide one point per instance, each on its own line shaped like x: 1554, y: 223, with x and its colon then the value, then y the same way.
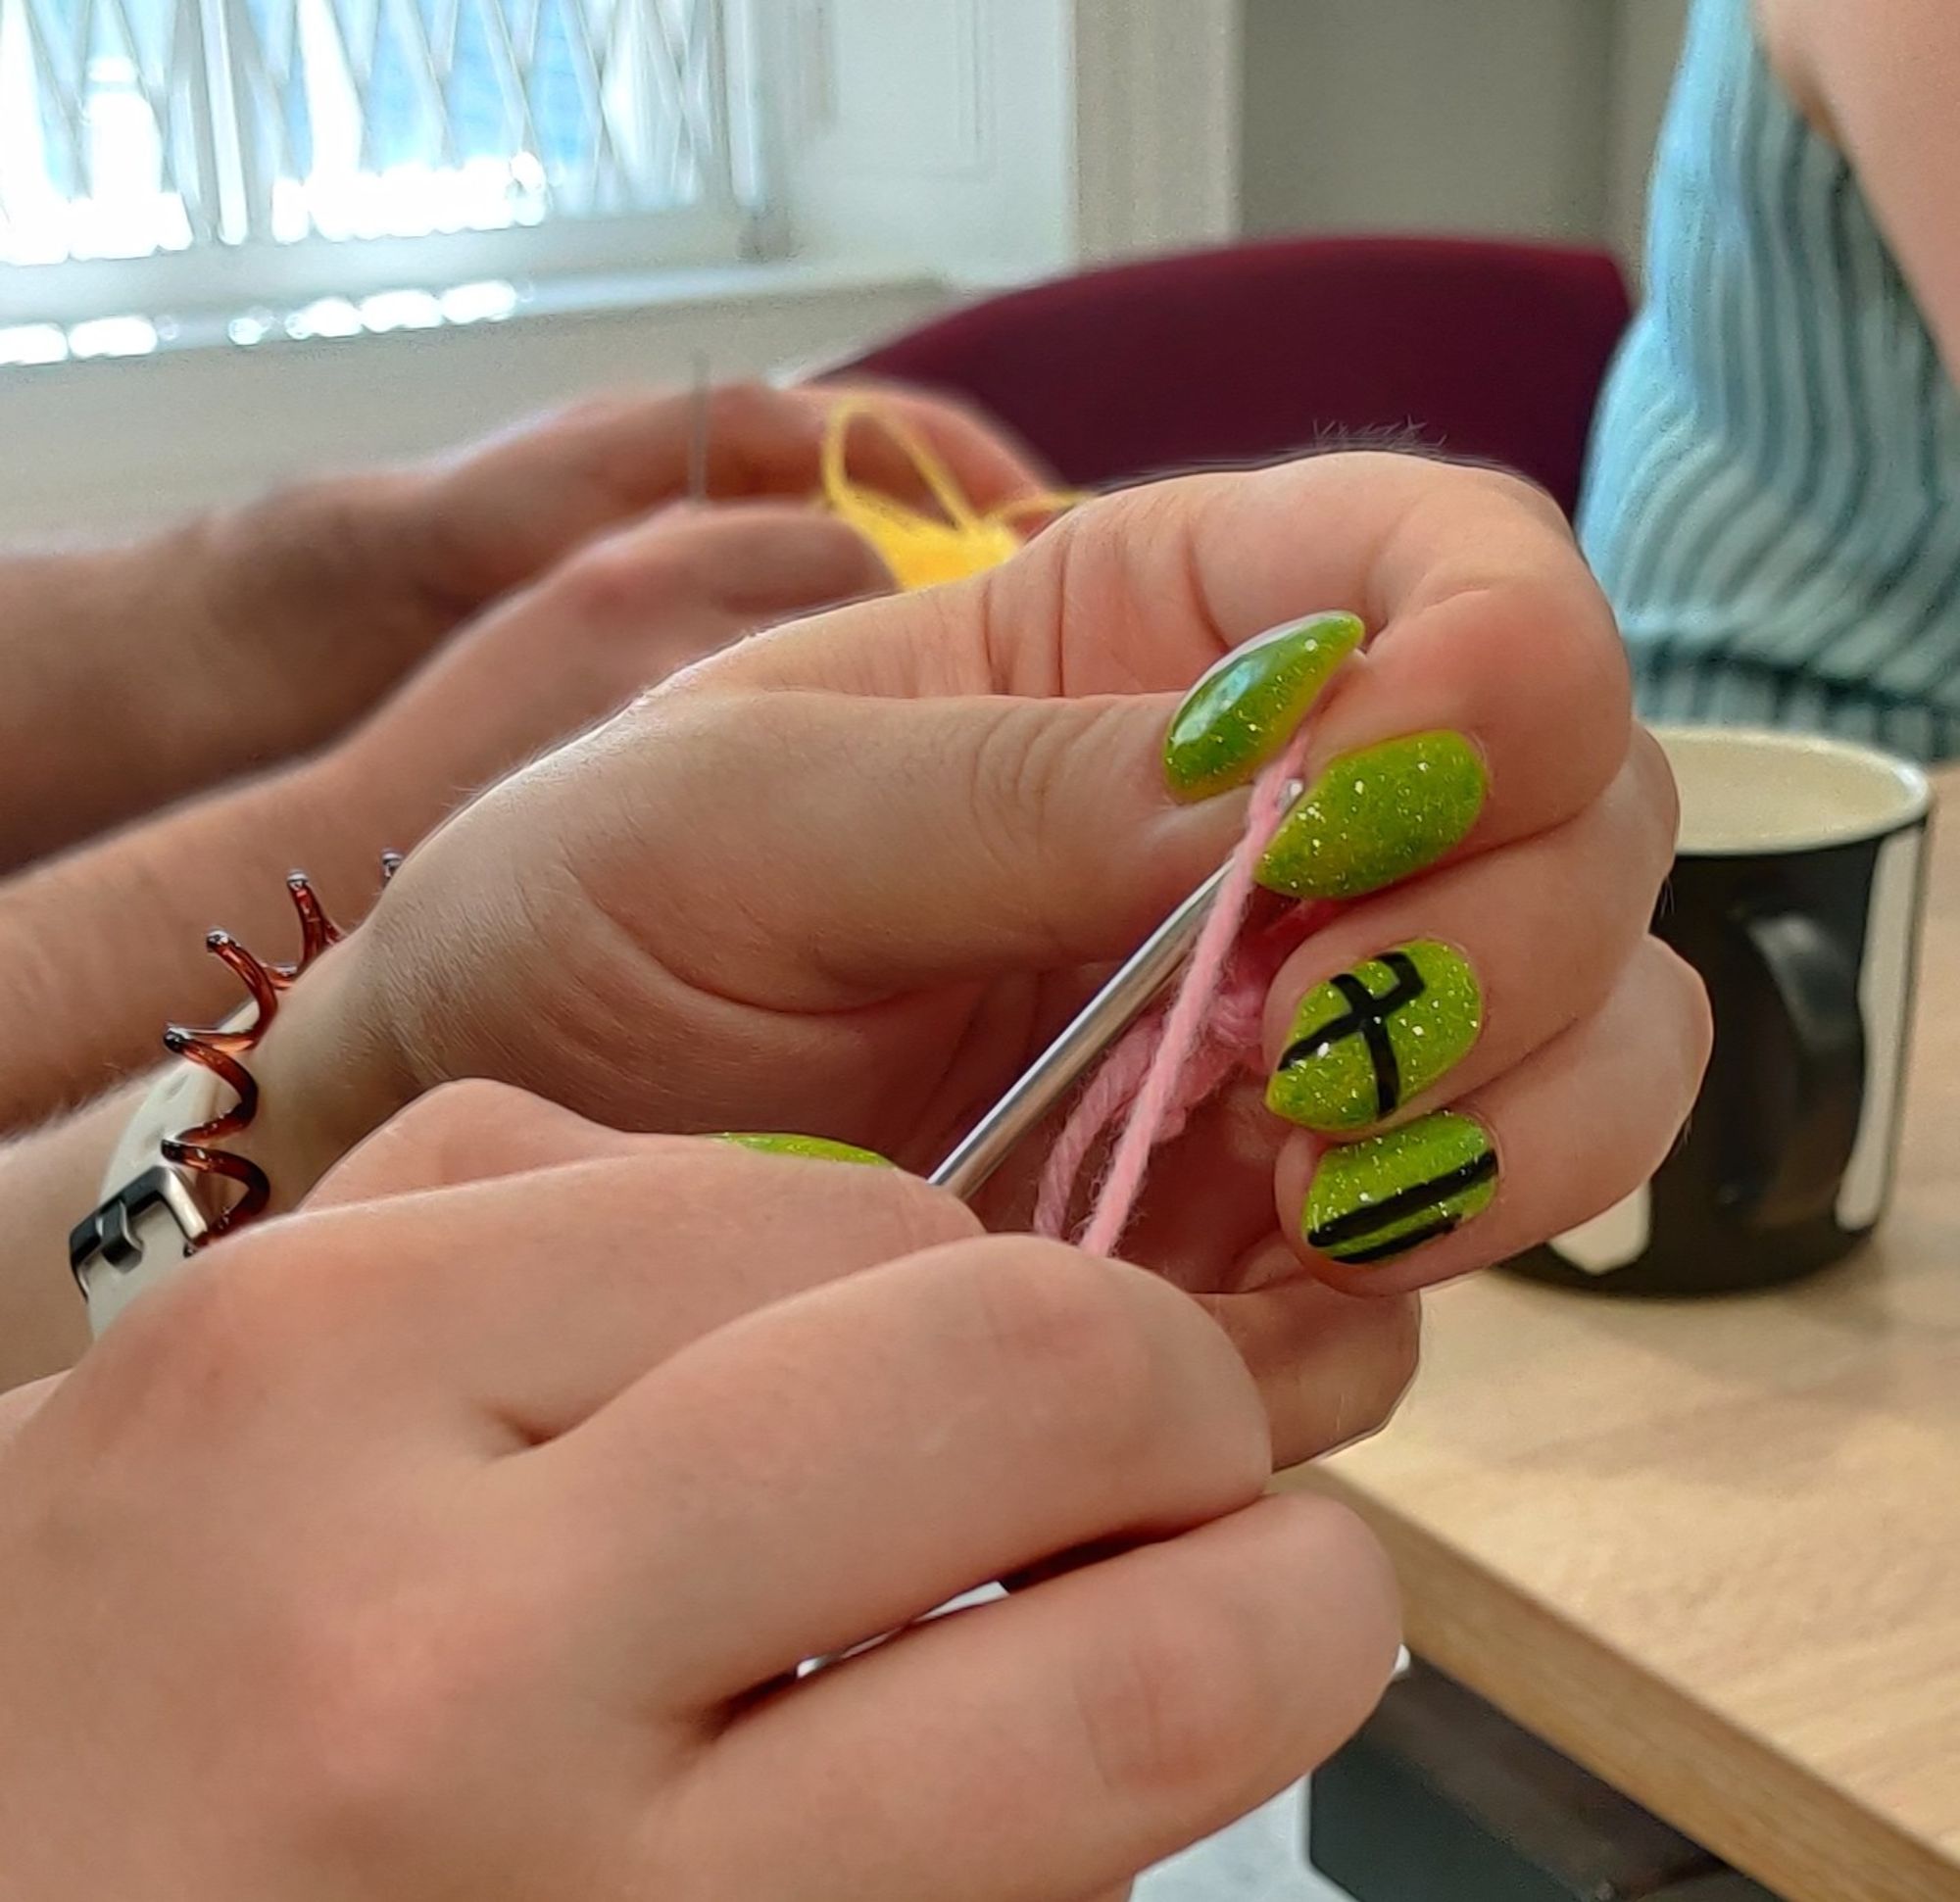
x: 181, y: 1097
x: 149, y: 1218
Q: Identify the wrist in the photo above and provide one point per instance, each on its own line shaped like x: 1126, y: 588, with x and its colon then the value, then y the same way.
x: 328, y: 1070
x: 310, y: 610
x: 385, y: 784
x: 327, y: 1074
x: 108, y: 639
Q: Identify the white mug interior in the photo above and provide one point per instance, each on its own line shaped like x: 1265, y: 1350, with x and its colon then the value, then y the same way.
x: 1746, y: 789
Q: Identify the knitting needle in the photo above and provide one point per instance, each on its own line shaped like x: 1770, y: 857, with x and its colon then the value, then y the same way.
x: 1101, y: 1021
x: 697, y: 435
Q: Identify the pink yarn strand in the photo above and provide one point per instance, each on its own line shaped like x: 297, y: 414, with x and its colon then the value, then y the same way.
x: 1104, y: 1098
x: 1163, y: 1099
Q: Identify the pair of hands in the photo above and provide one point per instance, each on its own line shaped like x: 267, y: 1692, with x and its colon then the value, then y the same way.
x: 314, y: 602
x: 545, y: 578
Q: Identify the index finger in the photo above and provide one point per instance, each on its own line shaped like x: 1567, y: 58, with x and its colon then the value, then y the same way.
x: 633, y: 450
x: 1485, y: 619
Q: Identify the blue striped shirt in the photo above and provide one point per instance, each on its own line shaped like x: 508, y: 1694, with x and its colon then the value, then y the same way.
x: 1773, y: 499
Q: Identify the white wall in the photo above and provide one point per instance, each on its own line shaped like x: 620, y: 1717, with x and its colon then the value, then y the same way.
x: 935, y: 130
x: 1645, y: 46
x: 999, y: 140
x: 1521, y: 117
x: 101, y: 448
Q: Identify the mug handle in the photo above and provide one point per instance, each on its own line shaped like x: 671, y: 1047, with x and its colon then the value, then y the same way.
x: 1809, y: 1135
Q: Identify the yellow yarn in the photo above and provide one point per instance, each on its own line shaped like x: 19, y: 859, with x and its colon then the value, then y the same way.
x: 919, y: 549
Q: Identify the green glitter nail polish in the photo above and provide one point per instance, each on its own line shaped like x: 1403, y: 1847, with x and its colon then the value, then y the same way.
x: 813, y: 1148
x: 1364, y: 1043
x: 1375, y: 817
x: 1379, y: 1198
x: 1245, y: 709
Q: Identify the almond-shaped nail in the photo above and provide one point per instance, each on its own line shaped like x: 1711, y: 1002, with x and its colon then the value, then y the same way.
x: 813, y: 1148
x: 1382, y: 1197
x: 1376, y: 816
x: 1370, y: 1039
x: 1249, y: 705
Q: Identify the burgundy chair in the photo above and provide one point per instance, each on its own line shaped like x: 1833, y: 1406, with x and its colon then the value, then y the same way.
x: 1485, y: 350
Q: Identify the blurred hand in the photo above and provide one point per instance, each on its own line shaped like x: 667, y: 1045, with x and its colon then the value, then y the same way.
x: 850, y: 877
x: 454, y: 1539
x: 620, y: 615
x: 320, y: 598
x: 286, y: 620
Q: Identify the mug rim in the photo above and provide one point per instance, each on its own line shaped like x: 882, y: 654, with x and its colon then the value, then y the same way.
x: 1911, y: 781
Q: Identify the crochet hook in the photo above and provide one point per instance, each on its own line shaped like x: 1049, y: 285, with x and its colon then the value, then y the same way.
x: 1101, y: 1021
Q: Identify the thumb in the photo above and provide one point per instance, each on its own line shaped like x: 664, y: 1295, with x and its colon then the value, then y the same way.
x: 750, y: 562
x: 912, y: 843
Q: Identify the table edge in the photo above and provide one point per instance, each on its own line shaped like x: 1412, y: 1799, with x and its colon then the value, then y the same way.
x: 1791, y: 1830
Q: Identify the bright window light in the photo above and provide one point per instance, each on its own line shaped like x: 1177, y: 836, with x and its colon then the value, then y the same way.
x: 227, y: 154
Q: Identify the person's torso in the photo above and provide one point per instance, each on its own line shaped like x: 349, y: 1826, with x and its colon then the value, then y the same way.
x: 1773, y: 495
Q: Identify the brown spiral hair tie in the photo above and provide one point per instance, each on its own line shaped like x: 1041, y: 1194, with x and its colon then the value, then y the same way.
x: 218, y: 1050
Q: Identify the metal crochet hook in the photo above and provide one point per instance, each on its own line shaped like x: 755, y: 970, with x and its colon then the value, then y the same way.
x: 1065, y: 1061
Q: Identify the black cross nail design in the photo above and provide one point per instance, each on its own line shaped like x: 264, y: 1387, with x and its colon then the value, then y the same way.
x: 1367, y: 1017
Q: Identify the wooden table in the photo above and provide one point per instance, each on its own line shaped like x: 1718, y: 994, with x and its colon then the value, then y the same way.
x: 1712, y: 1550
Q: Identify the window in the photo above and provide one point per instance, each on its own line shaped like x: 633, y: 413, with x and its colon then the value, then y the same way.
x: 159, y: 158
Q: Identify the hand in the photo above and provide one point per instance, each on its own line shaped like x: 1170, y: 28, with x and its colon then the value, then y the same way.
x: 321, y: 598
x: 618, y: 617
x: 454, y: 1539
x: 850, y: 877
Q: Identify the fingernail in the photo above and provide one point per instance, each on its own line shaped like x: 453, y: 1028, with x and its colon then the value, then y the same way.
x: 1246, y: 708
x: 813, y: 1148
x: 1375, y: 817
x: 1375, y: 1199
x: 1366, y: 1042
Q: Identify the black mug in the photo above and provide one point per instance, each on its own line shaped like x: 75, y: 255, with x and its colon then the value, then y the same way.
x: 1796, y: 894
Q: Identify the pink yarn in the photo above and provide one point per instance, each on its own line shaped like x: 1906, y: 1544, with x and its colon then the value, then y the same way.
x: 1173, y: 1060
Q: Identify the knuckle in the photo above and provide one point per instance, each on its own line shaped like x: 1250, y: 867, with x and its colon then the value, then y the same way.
x: 1524, y: 491
x: 468, y: 1108
x: 619, y: 579
x: 1177, y: 1704
x: 1011, y: 783
x: 456, y: 1130
x: 1693, y: 1012
x: 1660, y: 798
x: 1027, y: 792
x: 1016, y: 768
x: 919, y: 1216
x: 1112, y: 1364
x: 194, y: 1359
x: 384, y: 1699
x: 750, y: 406
x: 1381, y: 1368
x: 584, y: 414
x: 1074, y: 1345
